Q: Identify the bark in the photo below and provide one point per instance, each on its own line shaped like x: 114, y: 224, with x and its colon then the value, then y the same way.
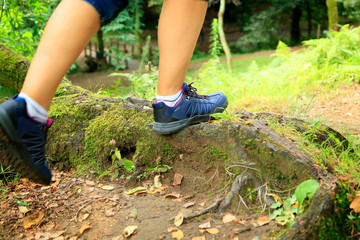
x: 333, y: 15
x: 13, y: 69
x: 222, y: 35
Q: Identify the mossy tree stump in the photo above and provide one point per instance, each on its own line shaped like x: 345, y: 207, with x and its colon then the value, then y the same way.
x: 85, y: 123
x: 13, y: 69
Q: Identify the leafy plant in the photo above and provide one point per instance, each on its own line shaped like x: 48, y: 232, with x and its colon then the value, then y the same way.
x: 22, y: 23
x: 119, y: 162
x: 215, y: 46
x: 285, y: 212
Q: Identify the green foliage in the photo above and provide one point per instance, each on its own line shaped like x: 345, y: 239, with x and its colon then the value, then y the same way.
x: 260, y: 32
x: 117, y: 163
x: 285, y: 212
x: 120, y: 30
x: 343, y: 223
x: 22, y: 24
x: 304, y: 190
x: 291, y: 81
x: 215, y: 46
x: 142, y: 84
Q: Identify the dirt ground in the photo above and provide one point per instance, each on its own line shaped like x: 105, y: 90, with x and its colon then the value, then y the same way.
x: 85, y: 208
x: 340, y: 110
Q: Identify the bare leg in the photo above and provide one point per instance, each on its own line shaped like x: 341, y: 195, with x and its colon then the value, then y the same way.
x: 179, y: 27
x: 68, y: 30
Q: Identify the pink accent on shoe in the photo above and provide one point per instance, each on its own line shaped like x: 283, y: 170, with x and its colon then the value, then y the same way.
x: 49, y: 122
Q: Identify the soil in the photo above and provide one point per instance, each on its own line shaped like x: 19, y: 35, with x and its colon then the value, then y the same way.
x: 340, y: 110
x: 71, y: 204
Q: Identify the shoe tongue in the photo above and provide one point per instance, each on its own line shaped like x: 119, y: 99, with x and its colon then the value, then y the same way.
x: 186, y: 88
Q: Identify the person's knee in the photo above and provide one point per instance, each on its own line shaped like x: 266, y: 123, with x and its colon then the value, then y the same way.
x: 108, y: 9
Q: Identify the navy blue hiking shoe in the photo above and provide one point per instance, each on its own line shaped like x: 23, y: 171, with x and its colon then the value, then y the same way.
x: 22, y: 141
x: 192, y: 109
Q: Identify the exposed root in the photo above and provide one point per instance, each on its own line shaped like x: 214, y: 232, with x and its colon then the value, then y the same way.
x: 241, y: 182
x: 204, y: 211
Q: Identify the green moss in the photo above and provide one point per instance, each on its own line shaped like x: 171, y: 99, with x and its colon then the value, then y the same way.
x: 149, y: 149
x: 211, y: 155
x: 13, y: 69
x: 125, y: 126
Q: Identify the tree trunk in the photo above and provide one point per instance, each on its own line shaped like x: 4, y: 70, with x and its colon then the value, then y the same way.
x: 309, y: 18
x: 222, y: 35
x: 13, y: 69
x: 333, y: 15
x: 295, y: 26
x: 101, y: 52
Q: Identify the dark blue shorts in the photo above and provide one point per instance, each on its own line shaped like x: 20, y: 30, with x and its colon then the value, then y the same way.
x: 108, y: 9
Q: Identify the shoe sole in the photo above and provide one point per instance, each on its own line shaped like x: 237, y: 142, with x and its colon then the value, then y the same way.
x: 174, y: 127
x: 15, y: 154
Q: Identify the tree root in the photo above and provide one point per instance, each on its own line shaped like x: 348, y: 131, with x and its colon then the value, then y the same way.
x: 241, y: 182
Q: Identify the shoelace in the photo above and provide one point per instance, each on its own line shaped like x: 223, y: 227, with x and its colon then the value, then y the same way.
x: 193, y: 93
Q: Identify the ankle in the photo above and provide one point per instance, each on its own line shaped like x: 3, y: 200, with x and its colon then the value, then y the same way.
x: 34, y: 109
x: 172, y: 100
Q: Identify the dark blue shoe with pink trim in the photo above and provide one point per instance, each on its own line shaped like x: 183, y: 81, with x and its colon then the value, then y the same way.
x: 22, y: 141
x: 192, y: 109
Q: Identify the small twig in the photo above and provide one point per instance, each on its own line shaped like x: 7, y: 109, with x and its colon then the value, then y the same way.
x: 81, y: 208
x: 243, y: 202
x: 204, y: 211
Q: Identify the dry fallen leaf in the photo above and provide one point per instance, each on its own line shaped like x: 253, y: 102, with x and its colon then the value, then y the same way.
x: 33, y: 219
x: 178, y: 235
x: 23, y: 209
x: 240, y: 221
x: 205, y: 225
x: 129, y: 230
x: 56, y: 234
x: 199, y: 238
x: 202, y: 203
x: 59, y: 238
x: 172, y: 195
x: 86, y: 215
x: 90, y: 183
x: 134, y: 190
x: 177, y: 179
x: 179, y: 219
x: 172, y: 229
x: 229, y: 218
x: 84, y: 228
x: 262, y: 220
x: 189, y: 204
x: 140, y: 193
x: 109, y: 213
x: 157, y: 182
x: 108, y: 187
x: 212, y: 230
x: 355, y: 204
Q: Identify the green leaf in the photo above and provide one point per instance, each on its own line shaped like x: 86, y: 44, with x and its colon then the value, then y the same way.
x: 276, y: 205
x: 306, y: 189
x: 129, y: 165
x: 276, y: 213
x: 117, y: 154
